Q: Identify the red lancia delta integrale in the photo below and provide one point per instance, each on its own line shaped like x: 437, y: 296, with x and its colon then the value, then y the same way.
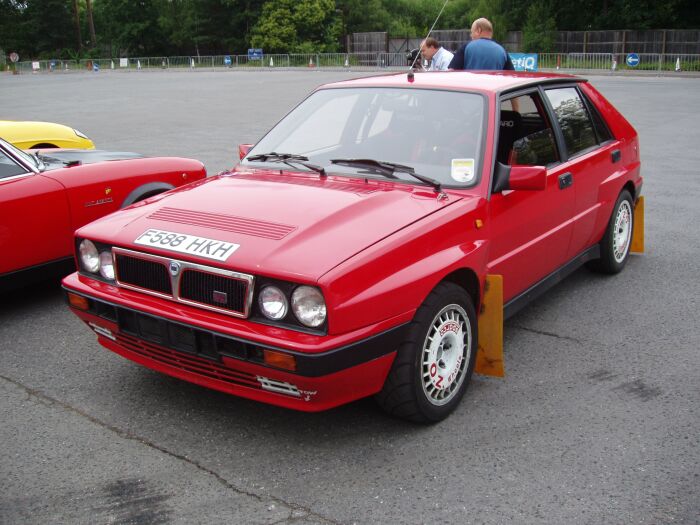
x: 371, y: 243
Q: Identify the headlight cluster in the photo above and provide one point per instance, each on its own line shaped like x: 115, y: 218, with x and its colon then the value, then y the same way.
x: 94, y: 261
x: 306, y: 303
x: 282, y: 302
x: 81, y: 135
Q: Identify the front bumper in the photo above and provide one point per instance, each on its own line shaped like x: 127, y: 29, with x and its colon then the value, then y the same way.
x: 233, y: 363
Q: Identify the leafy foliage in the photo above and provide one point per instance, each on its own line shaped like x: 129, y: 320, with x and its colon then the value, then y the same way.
x: 539, y: 32
x: 47, y: 28
x: 299, y: 26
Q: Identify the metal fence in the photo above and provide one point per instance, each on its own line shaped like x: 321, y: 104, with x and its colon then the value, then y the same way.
x: 659, y: 41
x: 326, y: 61
x: 652, y: 41
x: 614, y: 62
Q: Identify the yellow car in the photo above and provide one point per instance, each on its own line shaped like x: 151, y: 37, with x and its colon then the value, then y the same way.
x: 31, y: 135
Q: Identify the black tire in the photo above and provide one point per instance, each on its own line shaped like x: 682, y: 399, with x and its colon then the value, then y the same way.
x: 423, y: 372
x: 615, y: 245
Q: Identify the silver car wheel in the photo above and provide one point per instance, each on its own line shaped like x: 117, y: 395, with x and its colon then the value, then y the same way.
x: 622, y: 234
x: 446, y: 354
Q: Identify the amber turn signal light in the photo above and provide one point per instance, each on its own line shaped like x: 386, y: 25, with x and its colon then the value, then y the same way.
x: 280, y: 360
x: 78, y: 301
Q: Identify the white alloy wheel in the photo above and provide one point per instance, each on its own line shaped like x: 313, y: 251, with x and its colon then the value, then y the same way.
x: 622, y: 234
x: 446, y: 354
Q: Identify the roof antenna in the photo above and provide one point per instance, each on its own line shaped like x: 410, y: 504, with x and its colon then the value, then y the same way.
x: 410, y: 72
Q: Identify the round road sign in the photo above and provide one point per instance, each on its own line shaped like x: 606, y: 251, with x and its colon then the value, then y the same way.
x: 633, y: 60
x: 14, y: 57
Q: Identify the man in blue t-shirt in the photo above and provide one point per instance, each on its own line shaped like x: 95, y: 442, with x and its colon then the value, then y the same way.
x: 482, y: 52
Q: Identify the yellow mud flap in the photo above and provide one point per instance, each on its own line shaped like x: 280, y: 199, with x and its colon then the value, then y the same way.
x: 638, y: 232
x: 489, y: 357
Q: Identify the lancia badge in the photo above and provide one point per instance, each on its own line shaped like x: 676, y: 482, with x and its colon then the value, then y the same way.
x: 174, y: 268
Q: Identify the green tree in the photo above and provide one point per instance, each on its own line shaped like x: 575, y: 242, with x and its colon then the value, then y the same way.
x: 494, y: 11
x: 12, y: 38
x: 129, y: 27
x: 301, y: 26
x: 539, y: 32
x: 357, y: 16
x: 49, y: 26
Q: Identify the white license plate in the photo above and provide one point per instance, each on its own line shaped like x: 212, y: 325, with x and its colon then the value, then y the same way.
x: 180, y: 242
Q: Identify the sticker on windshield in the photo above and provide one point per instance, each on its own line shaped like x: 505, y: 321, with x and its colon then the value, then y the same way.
x: 463, y: 170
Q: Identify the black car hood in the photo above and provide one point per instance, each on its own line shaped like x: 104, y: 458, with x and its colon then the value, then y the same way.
x: 54, y: 159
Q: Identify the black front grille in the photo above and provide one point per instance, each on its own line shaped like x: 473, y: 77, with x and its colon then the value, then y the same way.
x: 150, y: 275
x: 182, y: 338
x: 214, y: 290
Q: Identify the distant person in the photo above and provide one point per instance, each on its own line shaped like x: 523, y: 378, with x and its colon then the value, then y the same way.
x: 482, y: 52
x: 439, y: 57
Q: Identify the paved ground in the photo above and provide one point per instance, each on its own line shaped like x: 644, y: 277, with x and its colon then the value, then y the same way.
x: 596, y: 422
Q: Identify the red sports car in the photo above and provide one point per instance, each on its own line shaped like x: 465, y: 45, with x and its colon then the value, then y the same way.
x: 46, y: 195
x: 371, y: 243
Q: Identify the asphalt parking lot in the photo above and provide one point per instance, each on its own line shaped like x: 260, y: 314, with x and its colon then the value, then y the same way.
x: 597, y: 420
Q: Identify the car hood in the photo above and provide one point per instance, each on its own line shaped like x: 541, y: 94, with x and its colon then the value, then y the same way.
x: 60, y: 158
x: 295, y: 227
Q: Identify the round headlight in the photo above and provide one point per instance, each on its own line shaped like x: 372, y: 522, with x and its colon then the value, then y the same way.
x: 273, y: 303
x: 89, y: 257
x: 107, y: 265
x: 309, y: 307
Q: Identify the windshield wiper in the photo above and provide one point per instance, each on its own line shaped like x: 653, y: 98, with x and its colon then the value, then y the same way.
x: 387, y: 169
x: 289, y: 159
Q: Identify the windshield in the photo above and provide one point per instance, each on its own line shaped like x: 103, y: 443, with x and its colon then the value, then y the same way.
x: 437, y: 133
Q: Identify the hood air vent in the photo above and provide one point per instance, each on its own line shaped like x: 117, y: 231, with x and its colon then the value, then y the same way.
x: 229, y: 223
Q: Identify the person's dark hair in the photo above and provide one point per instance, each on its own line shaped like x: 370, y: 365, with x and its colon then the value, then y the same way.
x: 431, y: 42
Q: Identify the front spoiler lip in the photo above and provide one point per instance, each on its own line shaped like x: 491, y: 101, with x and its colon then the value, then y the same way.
x: 308, y: 365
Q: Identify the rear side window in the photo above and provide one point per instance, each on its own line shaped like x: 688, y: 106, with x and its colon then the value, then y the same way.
x: 573, y: 118
x: 601, y: 128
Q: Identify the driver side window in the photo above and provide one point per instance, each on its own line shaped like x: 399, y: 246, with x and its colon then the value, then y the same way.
x: 525, y: 134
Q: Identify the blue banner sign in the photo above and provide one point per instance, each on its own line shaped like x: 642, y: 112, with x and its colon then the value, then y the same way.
x: 255, y: 54
x: 524, y: 61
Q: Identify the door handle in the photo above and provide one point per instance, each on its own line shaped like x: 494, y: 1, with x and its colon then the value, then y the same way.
x: 616, y: 155
x: 565, y: 180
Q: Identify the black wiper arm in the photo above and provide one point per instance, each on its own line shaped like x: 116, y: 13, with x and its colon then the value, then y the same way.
x: 274, y: 156
x: 388, y: 169
x: 385, y: 168
x: 289, y: 159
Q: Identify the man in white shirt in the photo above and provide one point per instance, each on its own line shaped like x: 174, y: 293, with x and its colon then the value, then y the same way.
x: 439, y: 57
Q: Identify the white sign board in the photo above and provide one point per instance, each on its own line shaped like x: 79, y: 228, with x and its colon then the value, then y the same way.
x: 123, y: 62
